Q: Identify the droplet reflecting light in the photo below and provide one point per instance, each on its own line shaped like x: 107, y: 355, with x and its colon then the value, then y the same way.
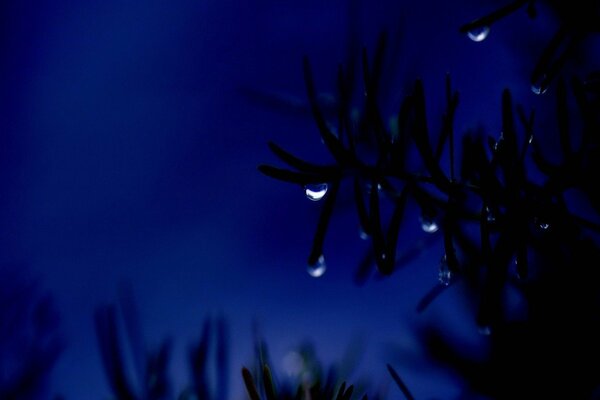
x: 540, y: 86
x: 479, y: 34
x: 538, y: 89
x: 317, y: 269
x: 499, y: 143
x: 490, y: 217
x: 429, y: 225
x: 362, y: 234
x: 315, y: 192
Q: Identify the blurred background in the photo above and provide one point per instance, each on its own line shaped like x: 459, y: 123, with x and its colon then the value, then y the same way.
x: 130, y: 135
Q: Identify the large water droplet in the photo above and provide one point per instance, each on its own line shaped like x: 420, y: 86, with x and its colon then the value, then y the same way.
x: 444, y: 274
x: 317, y: 269
x: 429, y: 224
x: 479, y: 34
x: 315, y: 191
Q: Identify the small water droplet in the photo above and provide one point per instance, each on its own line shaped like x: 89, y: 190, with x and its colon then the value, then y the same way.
x: 479, y: 34
x: 490, y: 217
x: 499, y: 143
x: 315, y: 191
x: 362, y: 234
x: 444, y: 274
x: 538, y: 89
x: 541, y: 224
x: 540, y: 86
x: 369, y: 187
x: 429, y: 224
x: 484, y: 330
x: 530, y: 139
x: 317, y: 269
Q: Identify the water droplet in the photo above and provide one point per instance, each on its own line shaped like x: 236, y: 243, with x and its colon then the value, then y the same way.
x: 362, y: 234
x: 540, y: 86
x: 541, y: 224
x: 315, y: 191
x: 479, y: 34
x: 490, y: 217
x: 317, y: 269
x: 530, y: 139
x: 429, y: 224
x: 499, y: 143
x: 538, y: 89
x: 484, y: 330
x: 369, y: 187
x: 444, y: 274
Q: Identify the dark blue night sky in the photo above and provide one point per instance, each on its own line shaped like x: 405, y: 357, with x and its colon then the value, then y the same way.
x: 130, y: 135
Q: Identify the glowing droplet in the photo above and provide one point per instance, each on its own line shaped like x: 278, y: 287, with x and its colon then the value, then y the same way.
x: 479, y: 34
x: 315, y: 191
x: 444, y: 274
x: 484, y: 330
x: 317, y: 269
x: 544, y: 226
x: 530, y: 139
x: 429, y: 224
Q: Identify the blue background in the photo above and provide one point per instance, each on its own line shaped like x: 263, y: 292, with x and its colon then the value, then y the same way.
x: 130, y: 138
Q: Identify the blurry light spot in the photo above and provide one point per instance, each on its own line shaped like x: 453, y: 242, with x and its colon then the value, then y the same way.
x: 293, y: 364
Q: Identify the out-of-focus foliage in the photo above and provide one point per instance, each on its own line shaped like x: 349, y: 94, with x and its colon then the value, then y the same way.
x: 305, y: 377
x: 30, y: 341
x: 134, y: 372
